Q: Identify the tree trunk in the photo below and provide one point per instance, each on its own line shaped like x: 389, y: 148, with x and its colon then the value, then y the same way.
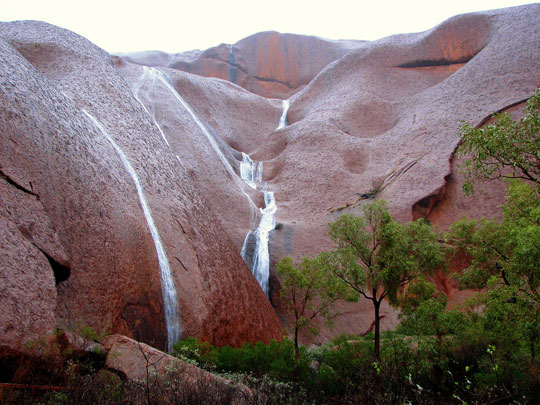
x: 296, y: 354
x: 296, y: 347
x: 377, y: 340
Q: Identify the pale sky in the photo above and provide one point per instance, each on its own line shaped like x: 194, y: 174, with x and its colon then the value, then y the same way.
x: 176, y: 26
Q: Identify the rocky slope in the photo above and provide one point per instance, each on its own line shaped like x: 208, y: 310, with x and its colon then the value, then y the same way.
x: 379, y: 121
x: 77, y: 249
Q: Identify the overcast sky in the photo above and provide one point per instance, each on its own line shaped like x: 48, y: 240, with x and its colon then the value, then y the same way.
x: 175, y: 26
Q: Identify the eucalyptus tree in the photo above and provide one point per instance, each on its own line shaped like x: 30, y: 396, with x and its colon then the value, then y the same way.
x: 505, y: 253
x: 377, y: 256
x: 504, y: 149
x: 309, y: 292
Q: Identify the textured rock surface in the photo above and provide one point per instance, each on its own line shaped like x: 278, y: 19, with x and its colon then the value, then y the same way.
x: 269, y: 64
x: 135, y: 360
x: 382, y: 121
x: 385, y: 118
x: 79, y: 207
x: 238, y: 120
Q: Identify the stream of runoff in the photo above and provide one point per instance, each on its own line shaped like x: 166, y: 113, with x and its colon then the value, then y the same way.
x: 153, y: 74
x: 258, y: 258
x: 170, y: 300
x: 283, y: 120
x: 255, y: 251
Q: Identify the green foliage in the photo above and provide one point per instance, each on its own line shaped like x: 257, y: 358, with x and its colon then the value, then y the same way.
x: 501, y: 335
x: 504, y: 319
x: 505, y: 256
x: 89, y: 333
x: 375, y: 252
x: 505, y: 253
x: 376, y: 256
x: 424, y: 312
x: 308, y: 292
x: 276, y: 358
x: 506, y: 149
x: 193, y: 351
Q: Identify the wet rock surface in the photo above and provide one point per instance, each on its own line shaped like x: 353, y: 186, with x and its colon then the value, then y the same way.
x: 87, y: 215
x: 380, y: 121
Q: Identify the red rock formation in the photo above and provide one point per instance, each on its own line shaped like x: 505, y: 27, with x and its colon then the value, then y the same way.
x: 380, y: 121
x: 384, y: 120
x: 269, y: 64
x: 71, y: 208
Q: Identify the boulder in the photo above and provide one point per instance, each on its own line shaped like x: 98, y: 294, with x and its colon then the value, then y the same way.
x: 140, y: 362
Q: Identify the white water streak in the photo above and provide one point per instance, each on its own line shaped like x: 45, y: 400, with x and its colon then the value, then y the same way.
x: 170, y: 300
x: 250, y: 171
x: 260, y: 264
x: 164, y: 78
x: 136, y: 90
x: 283, y: 120
x: 167, y: 82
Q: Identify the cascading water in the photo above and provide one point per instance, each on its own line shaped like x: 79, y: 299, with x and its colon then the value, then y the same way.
x: 170, y: 301
x: 136, y: 91
x: 260, y: 261
x: 257, y: 257
x: 167, y: 82
x: 283, y: 120
x: 250, y: 172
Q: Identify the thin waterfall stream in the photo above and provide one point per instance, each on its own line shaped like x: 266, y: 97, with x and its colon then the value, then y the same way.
x: 136, y: 92
x: 283, y: 120
x: 255, y: 251
x: 166, y: 81
x: 170, y: 300
x: 259, y: 261
x: 258, y: 258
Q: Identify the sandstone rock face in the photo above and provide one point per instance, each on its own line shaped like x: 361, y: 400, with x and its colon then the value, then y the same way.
x: 237, y: 120
x: 269, y: 64
x: 381, y: 120
x: 76, y: 246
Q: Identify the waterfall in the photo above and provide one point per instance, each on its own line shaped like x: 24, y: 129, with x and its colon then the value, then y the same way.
x: 250, y: 172
x: 260, y: 263
x: 283, y: 120
x: 136, y: 92
x: 255, y: 247
x: 232, y: 65
x: 170, y: 301
x: 167, y: 82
